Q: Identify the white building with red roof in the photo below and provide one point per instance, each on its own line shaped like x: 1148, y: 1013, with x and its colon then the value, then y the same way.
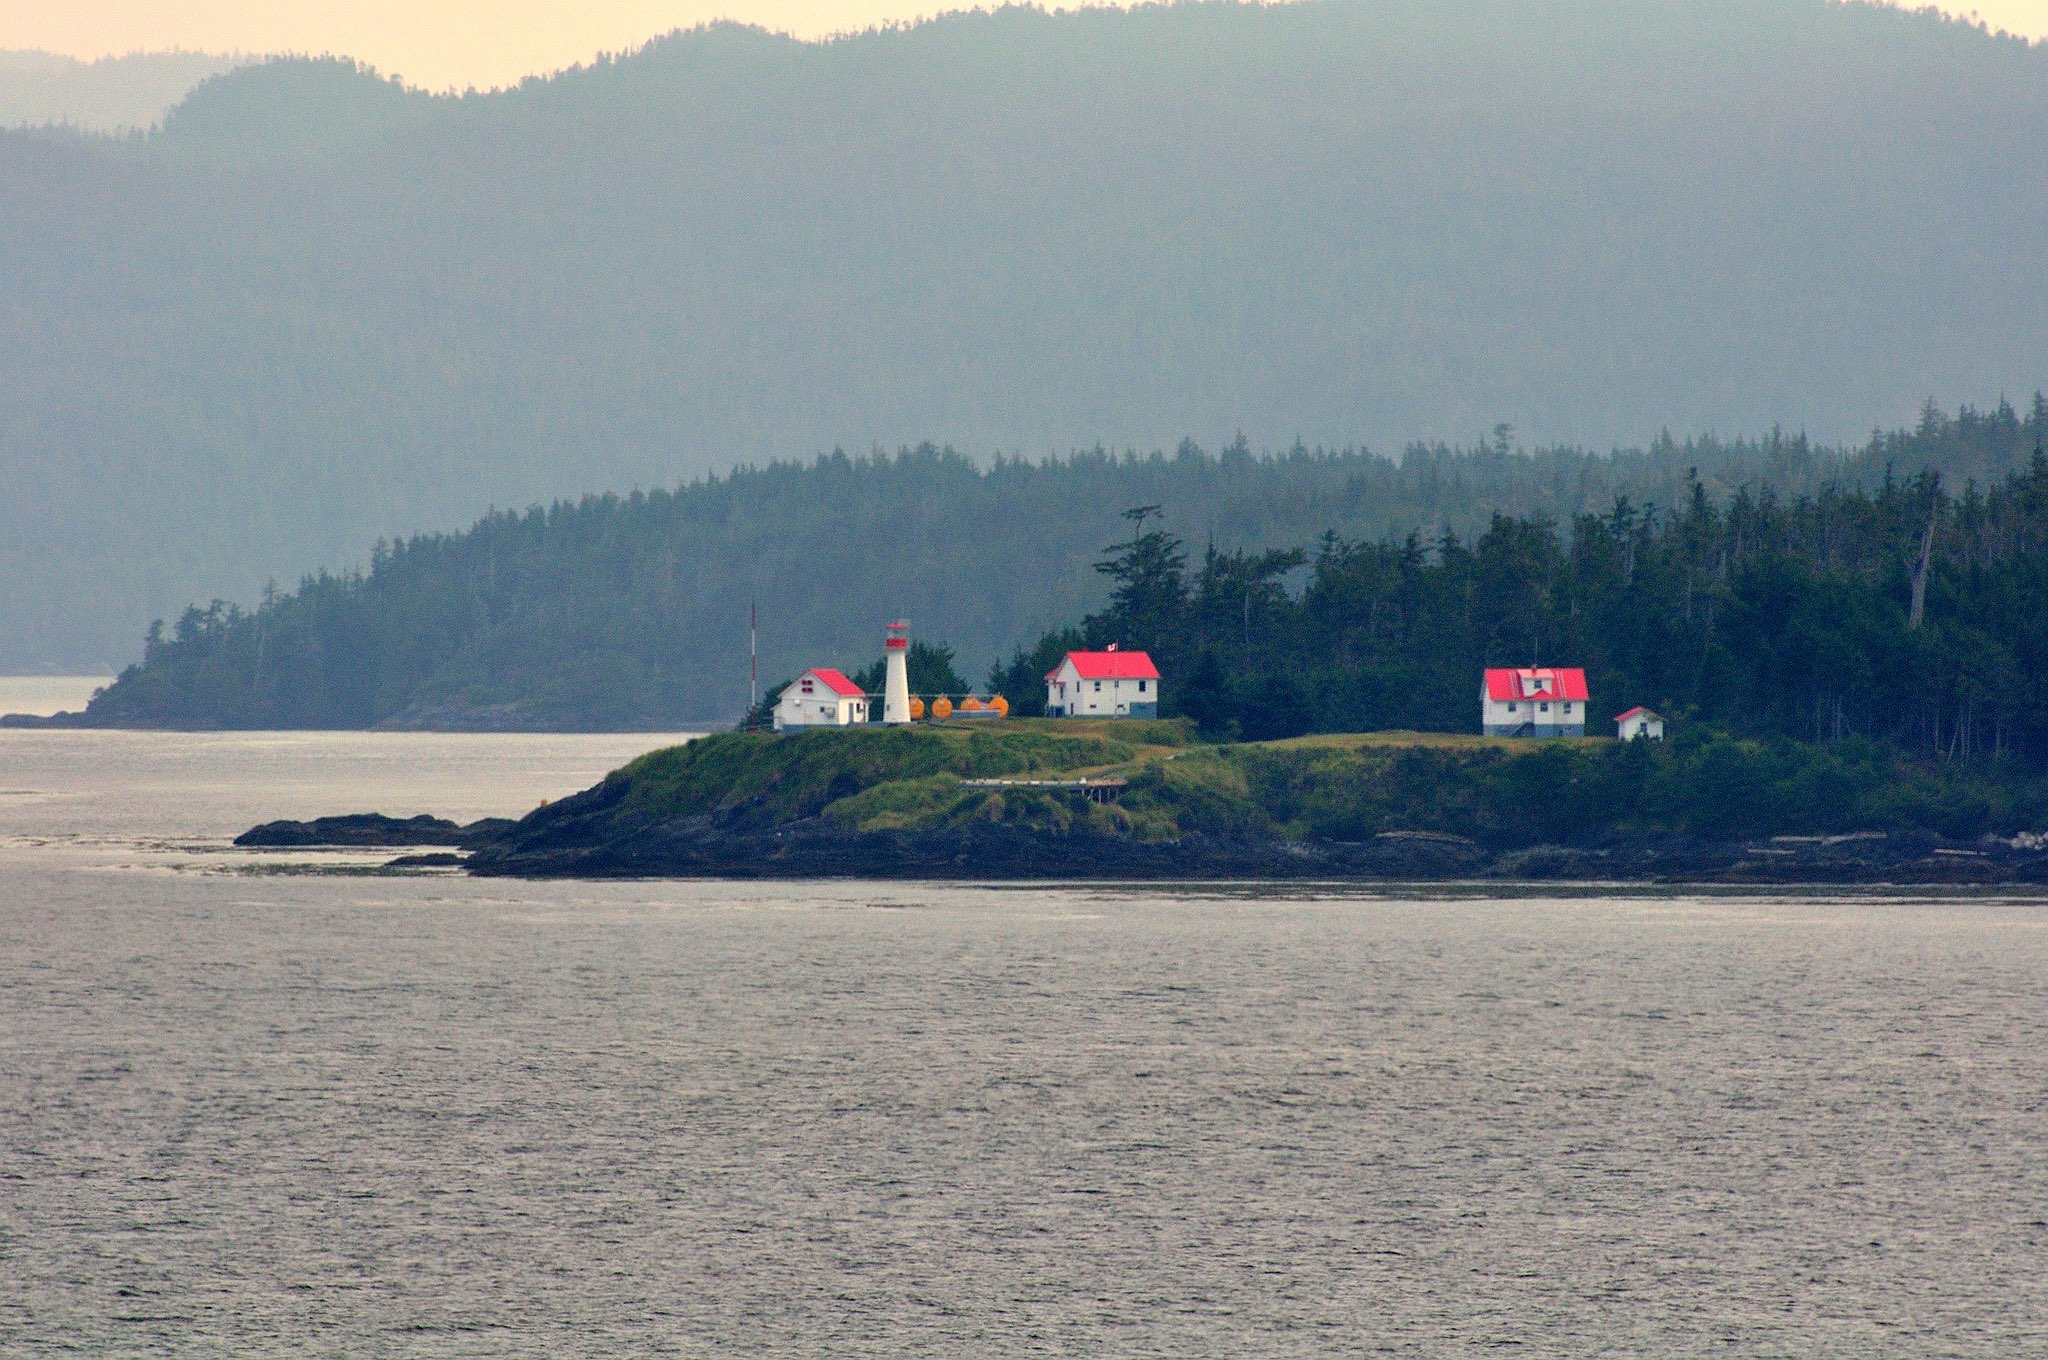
x: 1639, y: 722
x: 1105, y: 684
x: 1534, y: 701
x: 820, y: 698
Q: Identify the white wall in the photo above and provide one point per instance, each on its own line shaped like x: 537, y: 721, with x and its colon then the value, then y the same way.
x: 1563, y: 712
x: 821, y: 707
x: 1083, y: 699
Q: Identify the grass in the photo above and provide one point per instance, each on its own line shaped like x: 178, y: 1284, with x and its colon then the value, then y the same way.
x: 767, y: 779
x: 941, y: 802
x: 878, y: 778
x: 1345, y: 786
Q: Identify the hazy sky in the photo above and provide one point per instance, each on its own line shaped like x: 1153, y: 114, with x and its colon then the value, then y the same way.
x: 439, y: 43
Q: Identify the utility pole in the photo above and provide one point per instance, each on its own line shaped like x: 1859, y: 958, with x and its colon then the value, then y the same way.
x: 753, y: 659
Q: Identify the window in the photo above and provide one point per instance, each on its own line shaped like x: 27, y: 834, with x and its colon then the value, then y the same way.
x: 1141, y: 687
x: 1543, y: 708
x: 1567, y: 706
x: 1512, y: 707
x: 1098, y: 687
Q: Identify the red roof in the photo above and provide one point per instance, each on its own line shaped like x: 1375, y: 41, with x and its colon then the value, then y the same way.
x: 1110, y: 666
x: 1563, y: 682
x: 839, y: 684
x: 1624, y: 717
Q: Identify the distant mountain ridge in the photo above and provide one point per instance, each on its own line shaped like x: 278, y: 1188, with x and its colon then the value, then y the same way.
x: 317, y: 308
x: 112, y: 94
x: 295, y: 106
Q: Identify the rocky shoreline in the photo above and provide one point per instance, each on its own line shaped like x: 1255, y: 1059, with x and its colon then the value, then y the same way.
x: 589, y: 837
x: 691, y: 848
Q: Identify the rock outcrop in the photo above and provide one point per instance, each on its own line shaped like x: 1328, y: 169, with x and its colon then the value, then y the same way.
x: 373, y: 829
x: 594, y: 835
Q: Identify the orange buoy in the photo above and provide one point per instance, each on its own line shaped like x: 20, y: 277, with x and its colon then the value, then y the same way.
x: 916, y: 708
x: 970, y: 705
x: 942, y: 707
x: 1000, y: 705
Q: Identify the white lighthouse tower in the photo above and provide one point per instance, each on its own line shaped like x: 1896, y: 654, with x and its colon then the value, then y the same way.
x: 896, y: 682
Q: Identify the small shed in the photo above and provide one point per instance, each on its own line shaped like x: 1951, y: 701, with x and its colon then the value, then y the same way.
x: 1533, y: 701
x: 820, y: 698
x: 1104, y: 684
x: 1639, y: 722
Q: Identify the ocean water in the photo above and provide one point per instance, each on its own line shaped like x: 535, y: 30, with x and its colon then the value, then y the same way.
x: 278, y: 1104
x: 42, y: 695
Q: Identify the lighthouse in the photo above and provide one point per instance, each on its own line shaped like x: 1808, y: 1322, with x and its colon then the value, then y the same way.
x: 896, y: 683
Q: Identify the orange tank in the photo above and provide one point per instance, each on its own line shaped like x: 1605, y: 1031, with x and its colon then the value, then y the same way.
x: 942, y: 707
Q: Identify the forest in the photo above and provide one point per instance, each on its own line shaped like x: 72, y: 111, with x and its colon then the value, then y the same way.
x: 1358, y: 594
x: 318, y: 307
x: 1907, y: 614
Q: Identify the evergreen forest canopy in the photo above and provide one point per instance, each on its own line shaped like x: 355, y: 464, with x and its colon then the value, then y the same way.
x: 1755, y: 585
x: 318, y: 307
x: 1908, y: 615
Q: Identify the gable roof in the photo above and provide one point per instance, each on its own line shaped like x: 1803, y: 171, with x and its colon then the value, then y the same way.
x: 1110, y: 666
x: 838, y: 683
x: 1638, y: 709
x: 1564, y: 682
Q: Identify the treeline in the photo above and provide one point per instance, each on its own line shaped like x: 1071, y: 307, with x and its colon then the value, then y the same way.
x: 631, y: 611
x: 1759, y: 615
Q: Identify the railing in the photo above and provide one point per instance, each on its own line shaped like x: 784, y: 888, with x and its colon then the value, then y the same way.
x: 1094, y: 790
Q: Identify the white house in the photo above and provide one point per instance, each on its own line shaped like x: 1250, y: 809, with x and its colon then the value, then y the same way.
x: 1105, y: 684
x: 1639, y: 722
x: 820, y: 698
x: 1536, y: 701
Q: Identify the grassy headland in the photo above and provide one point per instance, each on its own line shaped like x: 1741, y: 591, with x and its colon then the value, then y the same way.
x: 762, y: 779
x: 1333, y: 787
x: 863, y: 795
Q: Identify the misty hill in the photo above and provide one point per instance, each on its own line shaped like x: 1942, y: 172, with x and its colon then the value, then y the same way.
x: 113, y: 94
x: 631, y: 611
x: 318, y: 308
